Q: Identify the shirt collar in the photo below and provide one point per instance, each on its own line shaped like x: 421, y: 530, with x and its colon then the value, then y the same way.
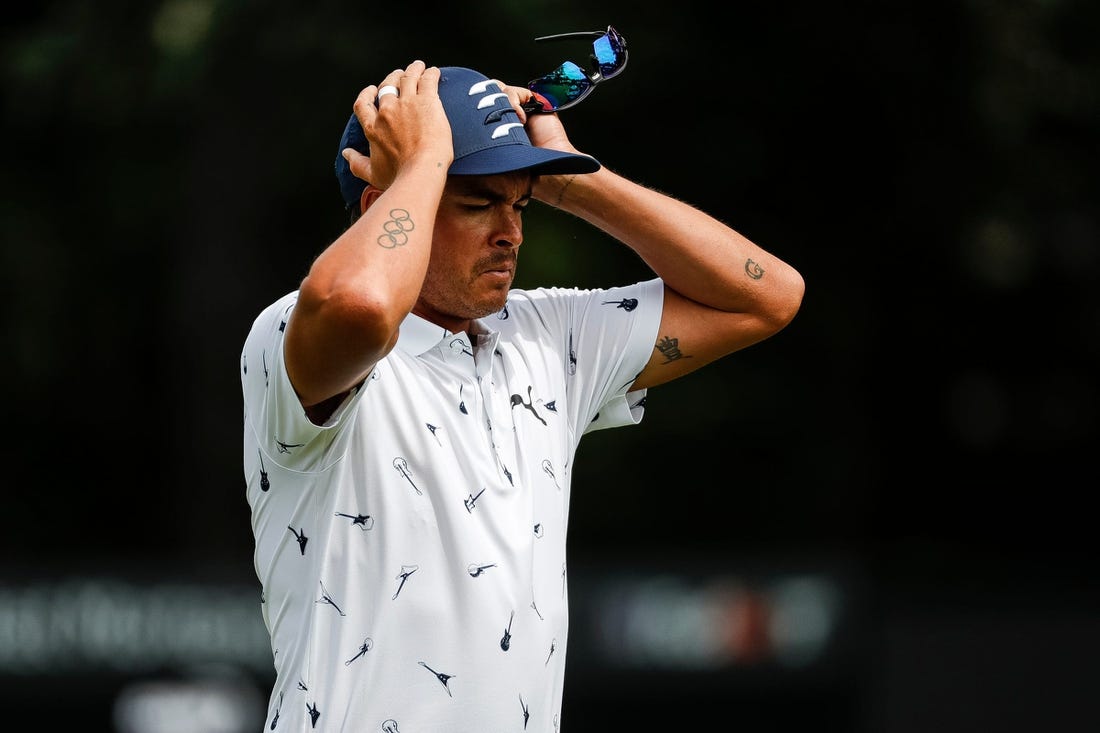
x: 418, y: 335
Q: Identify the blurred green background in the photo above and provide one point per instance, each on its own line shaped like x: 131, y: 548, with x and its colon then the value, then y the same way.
x: 911, y: 457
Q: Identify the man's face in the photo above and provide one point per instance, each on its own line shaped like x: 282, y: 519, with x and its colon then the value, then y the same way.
x: 478, y: 230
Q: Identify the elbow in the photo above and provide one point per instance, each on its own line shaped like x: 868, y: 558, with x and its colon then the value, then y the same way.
x: 784, y: 303
x: 350, y: 316
x: 791, y: 302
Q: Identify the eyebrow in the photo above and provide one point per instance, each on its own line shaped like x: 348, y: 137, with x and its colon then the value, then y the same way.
x: 478, y: 189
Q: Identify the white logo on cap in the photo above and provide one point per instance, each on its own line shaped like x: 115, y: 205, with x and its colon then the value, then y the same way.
x: 481, y: 87
x: 490, y: 99
x: 502, y: 130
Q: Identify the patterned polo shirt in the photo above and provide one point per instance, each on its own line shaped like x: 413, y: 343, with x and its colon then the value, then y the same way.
x: 412, y: 550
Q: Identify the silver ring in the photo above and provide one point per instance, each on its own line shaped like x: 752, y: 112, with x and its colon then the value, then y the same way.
x: 388, y: 89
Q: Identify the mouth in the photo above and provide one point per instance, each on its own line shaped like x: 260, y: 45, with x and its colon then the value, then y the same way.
x: 503, y: 269
x: 499, y: 277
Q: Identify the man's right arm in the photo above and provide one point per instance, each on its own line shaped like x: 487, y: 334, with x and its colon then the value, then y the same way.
x: 359, y: 290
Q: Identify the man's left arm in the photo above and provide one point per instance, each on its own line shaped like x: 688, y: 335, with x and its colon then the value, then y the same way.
x: 722, y: 291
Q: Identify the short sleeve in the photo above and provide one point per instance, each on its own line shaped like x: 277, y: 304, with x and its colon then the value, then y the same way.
x: 274, y: 413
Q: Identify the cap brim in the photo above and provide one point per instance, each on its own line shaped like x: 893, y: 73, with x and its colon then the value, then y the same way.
x: 511, y: 158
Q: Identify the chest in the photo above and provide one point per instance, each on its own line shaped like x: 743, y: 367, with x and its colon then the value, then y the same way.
x: 495, y: 418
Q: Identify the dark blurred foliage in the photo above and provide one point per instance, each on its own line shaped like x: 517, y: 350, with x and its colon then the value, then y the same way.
x: 930, y: 167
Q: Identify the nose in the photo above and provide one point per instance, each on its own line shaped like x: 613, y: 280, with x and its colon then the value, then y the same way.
x: 510, y: 230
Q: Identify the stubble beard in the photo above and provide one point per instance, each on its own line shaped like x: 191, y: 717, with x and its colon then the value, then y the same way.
x: 462, y: 299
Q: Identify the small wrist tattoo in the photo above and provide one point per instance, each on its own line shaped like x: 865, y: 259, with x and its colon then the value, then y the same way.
x: 395, y: 229
x: 561, y: 193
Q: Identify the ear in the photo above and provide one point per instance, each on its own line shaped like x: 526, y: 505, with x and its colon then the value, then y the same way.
x: 369, y: 196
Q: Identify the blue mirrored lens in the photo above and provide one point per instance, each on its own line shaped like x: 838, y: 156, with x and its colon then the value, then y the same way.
x: 609, y: 55
x: 563, y: 85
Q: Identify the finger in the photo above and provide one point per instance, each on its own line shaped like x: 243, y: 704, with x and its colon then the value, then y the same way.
x: 358, y: 163
x: 411, y: 77
x: 516, y: 96
x: 368, y: 98
x: 364, y: 107
x: 390, y: 80
x: 429, y: 80
x: 388, y: 90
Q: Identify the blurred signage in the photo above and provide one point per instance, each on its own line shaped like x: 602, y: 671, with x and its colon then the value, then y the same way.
x: 62, y: 626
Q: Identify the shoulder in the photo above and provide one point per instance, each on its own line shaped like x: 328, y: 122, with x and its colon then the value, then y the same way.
x: 275, y: 314
x: 541, y: 302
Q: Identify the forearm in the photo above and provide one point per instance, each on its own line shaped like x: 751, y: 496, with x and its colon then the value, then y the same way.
x: 383, y: 256
x: 695, y: 254
x: 359, y: 290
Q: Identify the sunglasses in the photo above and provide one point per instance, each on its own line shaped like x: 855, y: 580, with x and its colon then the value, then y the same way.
x: 570, y: 83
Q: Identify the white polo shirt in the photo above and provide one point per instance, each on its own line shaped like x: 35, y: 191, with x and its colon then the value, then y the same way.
x: 412, y: 550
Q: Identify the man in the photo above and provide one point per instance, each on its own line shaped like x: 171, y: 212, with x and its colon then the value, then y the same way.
x: 411, y: 420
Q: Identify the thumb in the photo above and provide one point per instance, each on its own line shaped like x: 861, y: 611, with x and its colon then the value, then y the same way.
x: 358, y: 163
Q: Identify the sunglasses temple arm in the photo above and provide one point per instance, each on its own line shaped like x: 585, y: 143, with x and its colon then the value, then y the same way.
x: 576, y: 34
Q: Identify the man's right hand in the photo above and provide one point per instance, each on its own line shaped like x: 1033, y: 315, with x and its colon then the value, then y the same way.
x: 402, y: 128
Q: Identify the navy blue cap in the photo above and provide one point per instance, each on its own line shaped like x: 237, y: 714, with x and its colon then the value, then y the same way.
x: 487, y: 134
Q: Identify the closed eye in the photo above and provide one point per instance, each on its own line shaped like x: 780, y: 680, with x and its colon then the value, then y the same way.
x: 476, y: 204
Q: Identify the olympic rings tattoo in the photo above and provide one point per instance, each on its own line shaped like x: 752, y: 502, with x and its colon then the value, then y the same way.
x: 395, y: 229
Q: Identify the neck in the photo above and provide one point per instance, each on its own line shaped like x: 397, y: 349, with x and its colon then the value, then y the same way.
x: 451, y: 323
